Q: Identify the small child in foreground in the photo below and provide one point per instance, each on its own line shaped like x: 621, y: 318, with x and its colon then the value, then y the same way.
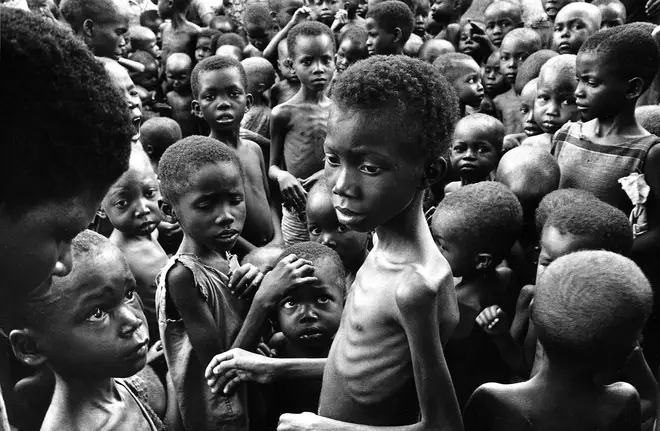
x: 465, y: 75
x: 574, y: 24
x: 89, y: 329
x: 308, y: 315
x: 574, y: 304
x: 131, y: 205
x: 299, y: 126
x: 389, y: 25
x: 555, y: 102
x: 402, y: 304
x: 517, y: 45
x: 475, y: 228
x: 476, y: 149
x: 324, y: 228
x: 220, y: 98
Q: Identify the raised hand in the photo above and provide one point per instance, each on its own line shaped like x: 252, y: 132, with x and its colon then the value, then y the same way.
x: 493, y: 320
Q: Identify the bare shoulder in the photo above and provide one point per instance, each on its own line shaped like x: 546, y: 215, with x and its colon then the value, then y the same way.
x: 281, y: 113
x: 622, y: 403
x: 418, y: 289
x: 179, y: 278
x: 622, y: 392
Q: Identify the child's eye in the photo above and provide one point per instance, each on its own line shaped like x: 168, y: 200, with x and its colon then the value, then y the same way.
x: 483, y: 150
x: 151, y: 193
x: 370, y: 170
x: 568, y: 102
x: 208, y: 97
x: 290, y: 303
x: 342, y: 228
x: 458, y: 149
x: 129, y: 295
x: 323, y: 299
x: 315, y: 231
x: 331, y: 160
x: 121, y: 204
x: 490, y: 26
x: 97, y: 315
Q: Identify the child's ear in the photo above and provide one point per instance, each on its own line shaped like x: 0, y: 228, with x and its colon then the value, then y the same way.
x: 101, y: 213
x: 261, y: 88
x: 25, y: 347
x: 248, y: 101
x: 88, y: 28
x: 484, y: 261
x: 273, y: 14
x: 635, y: 88
x: 434, y: 171
x: 398, y: 35
x: 149, y: 149
x: 168, y: 211
x: 196, y: 108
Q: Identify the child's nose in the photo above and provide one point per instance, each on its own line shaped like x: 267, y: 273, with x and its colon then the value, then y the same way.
x: 343, y: 184
x: 328, y: 240
x: 224, y: 217
x: 497, y: 30
x: 142, y: 208
x: 63, y: 264
x: 308, y: 314
x: 130, y: 321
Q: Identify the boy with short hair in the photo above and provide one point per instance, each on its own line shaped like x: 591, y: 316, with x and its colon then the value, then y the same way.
x: 501, y: 17
x: 178, y: 68
x: 283, y: 11
x: 205, y: 46
x: 517, y: 45
x: 465, y: 76
x: 351, y: 49
x: 475, y: 150
x: 156, y: 134
x: 475, y: 228
x: 402, y: 305
x: 555, y: 103
x: 389, y: 25
x: 83, y: 142
x: 131, y: 205
x: 612, y: 13
x: 220, y: 98
x: 325, y: 228
x: 179, y: 34
x: 258, y: 26
x: 580, y: 340
x: 434, y: 48
x: 298, y: 126
x: 552, y: 7
x: 493, y: 79
x: 95, y: 314
x: 573, y: 25
x: 151, y: 20
x: 143, y: 39
x: 261, y: 77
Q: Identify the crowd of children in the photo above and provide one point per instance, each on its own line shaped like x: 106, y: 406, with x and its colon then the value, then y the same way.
x: 308, y: 215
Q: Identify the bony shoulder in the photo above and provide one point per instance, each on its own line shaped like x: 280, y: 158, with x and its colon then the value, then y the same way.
x: 417, y: 290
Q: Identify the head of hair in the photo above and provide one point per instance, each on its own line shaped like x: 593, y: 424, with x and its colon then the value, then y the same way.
x: 215, y: 62
x: 258, y: 14
x: 229, y: 51
x: 530, y: 37
x: 75, y: 12
x: 616, y: 4
x: 590, y: 308
x: 629, y: 51
x: 264, y: 258
x: 219, y: 22
x: 148, y: 17
x: 410, y: 3
x: 181, y: 5
x: 421, y: 7
x: 393, y: 14
x: 139, y: 36
x: 531, y: 173
x: 413, y: 46
x: 513, y: 9
x: 531, y: 67
x: 486, y: 216
x: 157, y: 134
x: 317, y: 254
x: 413, y: 91
x: 178, y: 58
x: 489, y: 124
x: 81, y: 142
x: 433, y: 48
x: 260, y: 71
x: 307, y: 29
x: 143, y: 57
x: 598, y: 224
x: 592, y: 13
x: 563, y: 65
x: 185, y: 158
x: 230, y: 39
x: 451, y: 65
x: 649, y: 118
x: 209, y: 33
x: 356, y: 35
x: 559, y: 199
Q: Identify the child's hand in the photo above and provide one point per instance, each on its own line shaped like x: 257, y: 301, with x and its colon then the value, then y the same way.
x: 484, y: 42
x: 289, y: 272
x: 493, y: 320
x: 245, y: 280
x: 266, y: 351
x: 301, y: 15
x: 341, y: 18
x: 249, y: 135
x: 227, y: 370
x: 293, y: 193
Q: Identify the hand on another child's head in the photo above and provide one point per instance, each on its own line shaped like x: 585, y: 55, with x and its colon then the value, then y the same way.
x: 290, y: 272
x: 245, y: 281
x: 301, y: 15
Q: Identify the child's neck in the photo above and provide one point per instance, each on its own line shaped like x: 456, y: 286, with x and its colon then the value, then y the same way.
x: 461, y: 107
x: 230, y: 137
x: 214, y: 258
x: 311, y: 96
x: 178, y: 19
x: 258, y: 100
x: 624, y: 123
x: 565, y: 375
x: 132, y: 236
x: 407, y: 233
x: 77, y: 390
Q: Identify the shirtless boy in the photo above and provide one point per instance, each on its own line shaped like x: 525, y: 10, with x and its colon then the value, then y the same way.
x: 179, y: 35
x: 220, y: 98
x: 386, y: 365
x: 299, y: 126
x: 178, y: 68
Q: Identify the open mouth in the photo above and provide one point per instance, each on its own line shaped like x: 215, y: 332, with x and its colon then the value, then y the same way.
x: 225, y: 119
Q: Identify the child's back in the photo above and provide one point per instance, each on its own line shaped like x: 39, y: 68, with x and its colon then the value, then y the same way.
x: 575, y: 302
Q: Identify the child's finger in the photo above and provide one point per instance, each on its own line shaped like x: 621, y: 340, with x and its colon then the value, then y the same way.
x: 232, y: 386
x: 251, y: 288
x: 246, y: 281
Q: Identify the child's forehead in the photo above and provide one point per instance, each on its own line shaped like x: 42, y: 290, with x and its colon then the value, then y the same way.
x: 578, y: 11
x: 499, y: 10
x: 551, y: 78
x: 474, y: 129
x: 516, y: 43
x: 213, y: 177
x: 313, y: 45
x: 178, y: 64
x: 203, y: 40
x: 529, y: 90
x: 466, y: 67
